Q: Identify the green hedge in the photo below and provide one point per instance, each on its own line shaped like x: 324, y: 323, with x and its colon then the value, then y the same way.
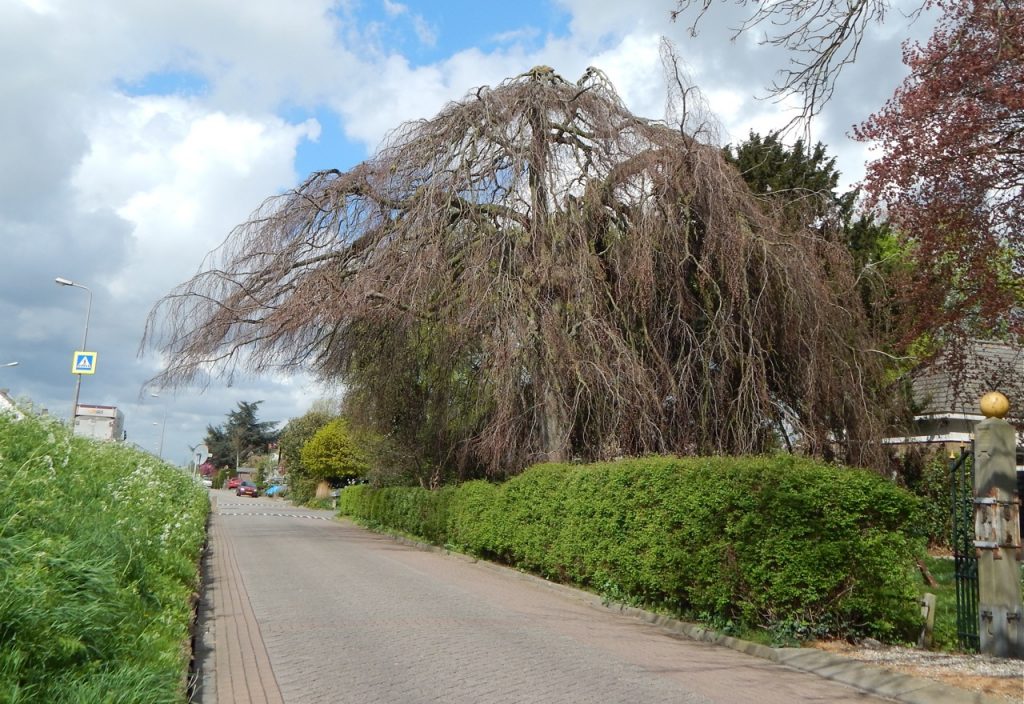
x: 99, y: 546
x: 780, y: 542
x: 409, y: 510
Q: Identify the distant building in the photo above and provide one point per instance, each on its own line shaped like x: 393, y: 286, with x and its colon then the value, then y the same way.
x: 99, y: 422
x: 947, y: 394
x: 7, y: 404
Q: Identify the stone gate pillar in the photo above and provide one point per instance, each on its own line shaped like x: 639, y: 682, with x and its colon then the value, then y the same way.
x: 997, y: 531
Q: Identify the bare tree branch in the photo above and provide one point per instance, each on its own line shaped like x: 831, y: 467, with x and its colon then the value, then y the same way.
x: 822, y: 37
x: 537, y: 273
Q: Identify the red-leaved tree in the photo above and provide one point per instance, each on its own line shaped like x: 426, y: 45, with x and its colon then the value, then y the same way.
x: 950, y: 177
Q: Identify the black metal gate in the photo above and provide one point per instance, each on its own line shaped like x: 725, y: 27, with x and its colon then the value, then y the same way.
x: 965, y: 556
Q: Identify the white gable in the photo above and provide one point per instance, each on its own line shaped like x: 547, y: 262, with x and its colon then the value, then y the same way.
x: 7, y: 405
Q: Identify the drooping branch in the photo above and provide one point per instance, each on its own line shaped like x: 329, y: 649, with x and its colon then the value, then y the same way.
x: 538, y: 273
x: 822, y: 37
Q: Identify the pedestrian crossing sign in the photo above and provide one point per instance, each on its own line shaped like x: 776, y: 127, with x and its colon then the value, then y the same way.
x: 83, y: 363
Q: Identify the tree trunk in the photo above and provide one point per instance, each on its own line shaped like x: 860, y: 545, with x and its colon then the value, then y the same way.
x: 553, y: 427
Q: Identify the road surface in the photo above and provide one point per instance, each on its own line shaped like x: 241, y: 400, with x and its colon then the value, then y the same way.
x: 303, y: 609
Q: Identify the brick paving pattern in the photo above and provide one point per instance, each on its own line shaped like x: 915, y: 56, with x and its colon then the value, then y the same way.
x: 242, y: 667
x: 320, y: 611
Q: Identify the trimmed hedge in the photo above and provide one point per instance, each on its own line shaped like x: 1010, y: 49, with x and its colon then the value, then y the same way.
x: 410, y: 510
x: 780, y: 542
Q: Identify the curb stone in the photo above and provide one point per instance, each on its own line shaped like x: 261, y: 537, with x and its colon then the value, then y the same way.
x: 864, y: 676
x: 205, y: 686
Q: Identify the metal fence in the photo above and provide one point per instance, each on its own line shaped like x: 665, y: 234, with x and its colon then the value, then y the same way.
x: 964, y: 553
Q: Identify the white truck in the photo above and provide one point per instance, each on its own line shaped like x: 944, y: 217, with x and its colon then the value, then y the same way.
x: 99, y: 422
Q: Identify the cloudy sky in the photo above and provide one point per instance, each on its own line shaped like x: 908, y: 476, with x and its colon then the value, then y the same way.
x: 137, y: 133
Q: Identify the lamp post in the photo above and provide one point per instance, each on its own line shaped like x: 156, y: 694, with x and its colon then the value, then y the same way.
x: 163, y: 426
x: 9, y: 364
x: 160, y: 447
x: 60, y: 281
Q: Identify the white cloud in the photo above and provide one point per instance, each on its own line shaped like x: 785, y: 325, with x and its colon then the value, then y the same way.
x: 182, y: 176
x: 596, y: 19
x: 42, y: 7
x: 425, y: 32
x: 394, y: 9
x: 516, y: 35
x: 634, y: 67
x: 127, y: 192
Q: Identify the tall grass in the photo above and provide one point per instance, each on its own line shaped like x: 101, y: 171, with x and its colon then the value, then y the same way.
x: 98, y: 551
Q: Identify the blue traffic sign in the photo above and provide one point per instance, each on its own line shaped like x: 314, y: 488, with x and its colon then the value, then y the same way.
x: 83, y: 362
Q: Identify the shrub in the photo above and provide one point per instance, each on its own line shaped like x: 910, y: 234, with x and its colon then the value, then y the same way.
x: 99, y: 546
x: 220, y: 478
x: 301, y: 488
x: 332, y: 453
x: 472, y: 525
x: 926, y: 473
x: 781, y: 543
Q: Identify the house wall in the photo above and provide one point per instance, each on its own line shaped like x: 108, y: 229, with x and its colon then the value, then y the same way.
x: 7, y: 405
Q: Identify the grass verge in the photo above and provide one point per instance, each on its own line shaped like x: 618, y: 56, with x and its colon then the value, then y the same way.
x: 99, y: 546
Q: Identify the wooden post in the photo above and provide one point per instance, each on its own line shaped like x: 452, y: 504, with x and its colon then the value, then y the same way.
x: 928, y: 613
x: 997, y: 532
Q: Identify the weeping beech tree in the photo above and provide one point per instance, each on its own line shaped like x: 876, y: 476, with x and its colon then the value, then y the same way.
x: 536, y: 273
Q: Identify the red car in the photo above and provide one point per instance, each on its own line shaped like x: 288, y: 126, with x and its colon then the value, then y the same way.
x: 234, y: 482
x: 247, y: 489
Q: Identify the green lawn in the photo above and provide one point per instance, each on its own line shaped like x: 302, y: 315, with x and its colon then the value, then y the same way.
x: 945, y: 597
x: 945, y: 601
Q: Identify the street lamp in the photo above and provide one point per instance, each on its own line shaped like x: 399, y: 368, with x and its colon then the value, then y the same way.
x: 163, y: 427
x: 9, y: 364
x: 85, y: 340
x: 160, y: 448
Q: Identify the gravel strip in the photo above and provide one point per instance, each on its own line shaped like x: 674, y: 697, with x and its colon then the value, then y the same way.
x: 999, y: 677
x: 967, y: 664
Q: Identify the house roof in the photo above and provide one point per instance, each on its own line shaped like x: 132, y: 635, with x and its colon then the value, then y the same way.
x: 955, y: 381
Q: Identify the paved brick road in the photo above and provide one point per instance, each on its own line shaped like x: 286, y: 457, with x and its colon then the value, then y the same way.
x: 309, y: 610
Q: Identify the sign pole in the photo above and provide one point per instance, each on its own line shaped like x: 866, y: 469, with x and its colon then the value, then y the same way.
x: 61, y: 281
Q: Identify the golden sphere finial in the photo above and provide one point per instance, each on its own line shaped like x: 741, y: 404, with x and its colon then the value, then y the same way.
x: 994, y: 405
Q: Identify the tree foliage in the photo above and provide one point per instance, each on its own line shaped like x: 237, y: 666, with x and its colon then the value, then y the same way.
x: 801, y: 181
x: 802, y: 184
x: 951, y: 173
x: 242, y: 436
x: 536, y: 273
x: 297, y: 432
x: 950, y: 176
x: 333, y: 454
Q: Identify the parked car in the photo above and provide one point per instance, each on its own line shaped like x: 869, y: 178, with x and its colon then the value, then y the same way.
x: 247, y: 488
x: 207, y: 482
x: 234, y: 482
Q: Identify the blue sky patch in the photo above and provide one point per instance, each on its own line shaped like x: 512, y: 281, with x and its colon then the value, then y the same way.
x: 184, y: 83
x: 429, y: 32
x: 331, y: 151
